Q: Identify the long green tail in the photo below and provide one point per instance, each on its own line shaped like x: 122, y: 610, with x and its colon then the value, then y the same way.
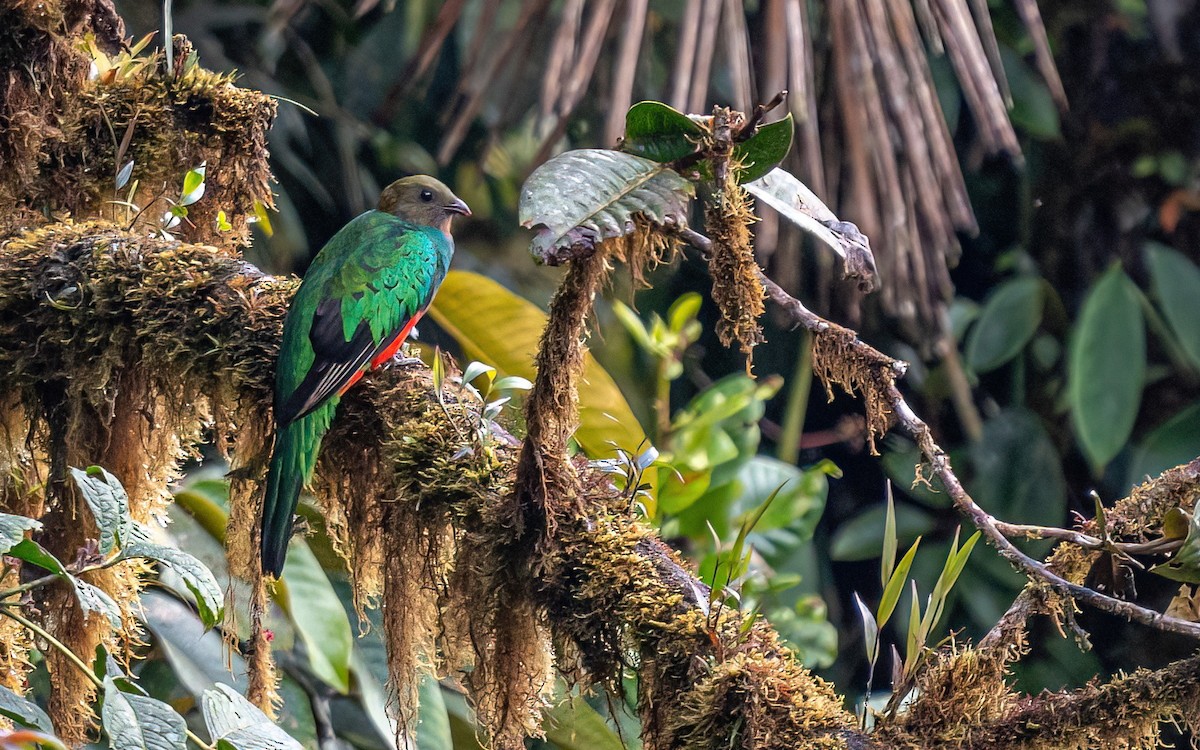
x: 292, y: 463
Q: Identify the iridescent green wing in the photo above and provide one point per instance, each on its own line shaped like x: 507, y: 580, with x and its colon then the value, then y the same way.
x: 370, y: 282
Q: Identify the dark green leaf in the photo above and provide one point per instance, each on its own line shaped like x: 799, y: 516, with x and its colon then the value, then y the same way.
x: 12, y: 530
x: 32, y: 552
x: 433, y: 723
x: 1033, y: 110
x: 136, y: 722
x: 1018, y: 473
x: 798, y: 504
x: 1177, y: 286
x: 581, y: 198
x: 235, y: 723
x: 23, y: 711
x: 1007, y: 322
x: 210, y: 600
x: 1174, y: 442
x: 574, y: 725
x: 660, y: 133
x: 1107, y: 367
x: 763, y: 151
x: 196, y: 655
x: 317, y: 613
x: 109, y: 503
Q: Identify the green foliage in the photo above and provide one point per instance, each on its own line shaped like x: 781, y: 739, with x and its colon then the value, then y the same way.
x: 494, y: 326
x: 1176, y: 284
x: 137, y: 722
x: 660, y: 133
x: 312, y: 605
x: 1107, y: 367
x: 1006, y: 323
x: 22, y: 711
x: 761, y: 152
x: 608, y: 190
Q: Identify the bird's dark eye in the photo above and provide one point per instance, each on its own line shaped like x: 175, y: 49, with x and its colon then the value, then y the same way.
x: 427, y: 196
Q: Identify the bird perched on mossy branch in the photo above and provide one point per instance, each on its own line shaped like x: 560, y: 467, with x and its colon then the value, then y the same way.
x: 361, y: 296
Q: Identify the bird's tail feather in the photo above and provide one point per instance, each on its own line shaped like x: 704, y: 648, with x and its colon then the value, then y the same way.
x: 285, y: 479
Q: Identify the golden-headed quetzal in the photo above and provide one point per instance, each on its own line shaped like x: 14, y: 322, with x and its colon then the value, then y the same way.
x: 359, y: 299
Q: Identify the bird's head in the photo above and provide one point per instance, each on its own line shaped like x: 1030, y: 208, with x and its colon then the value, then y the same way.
x: 422, y: 200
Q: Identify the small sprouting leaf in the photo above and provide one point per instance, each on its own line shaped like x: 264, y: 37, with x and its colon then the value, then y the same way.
x: 137, y: 722
x: 887, y: 561
x: 234, y: 722
x: 660, y: 133
x: 1007, y: 322
x: 210, y: 600
x: 761, y: 152
x: 512, y: 383
x: 1107, y: 367
x: 683, y: 311
x: 475, y: 369
x: 870, y: 629
x: 124, y: 175
x: 581, y: 198
x: 262, y: 218
x: 223, y: 224
x: 193, y: 186
x: 895, y: 584
x: 12, y: 530
x: 177, y: 211
x: 109, y: 503
x: 23, y: 711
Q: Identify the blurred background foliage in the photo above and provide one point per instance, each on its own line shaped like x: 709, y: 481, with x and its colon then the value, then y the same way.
x: 1065, y: 357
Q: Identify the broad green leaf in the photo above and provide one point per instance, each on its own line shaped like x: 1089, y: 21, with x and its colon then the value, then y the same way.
x: 785, y: 193
x: 760, y: 153
x: 660, y: 133
x: 235, y: 722
x: 583, y: 197
x: 317, y: 613
x: 32, y: 552
x: 1174, y: 442
x: 1107, y: 367
x: 574, y: 725
x: 23, y: 711
x: 93, y: 599
x: 1018, y: 473
x: 210, y: 599
x: 799, y: 496
x: 137, y: 722
x: 861, y: 538
x: 109, y: 503
x: 198, y: 656
x: 433, y: 723
x: 12, y: 530
x: 1176, y: 283
x: 1033, y: 109
x: 495, y: 326
x: 1007, y: 322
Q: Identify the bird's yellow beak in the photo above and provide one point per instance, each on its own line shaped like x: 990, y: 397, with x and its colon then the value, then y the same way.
x: 458, y: 206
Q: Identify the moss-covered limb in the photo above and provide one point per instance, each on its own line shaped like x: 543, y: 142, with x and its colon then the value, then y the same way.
x: 1126, y: 712
x: 89, y: 302
x: 65, y: 137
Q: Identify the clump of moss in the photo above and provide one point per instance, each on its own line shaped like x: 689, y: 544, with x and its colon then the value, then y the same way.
x: 836, y: 360
x: 736, y: 288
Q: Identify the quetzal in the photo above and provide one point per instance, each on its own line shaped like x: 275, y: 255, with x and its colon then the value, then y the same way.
x: 359, y: 299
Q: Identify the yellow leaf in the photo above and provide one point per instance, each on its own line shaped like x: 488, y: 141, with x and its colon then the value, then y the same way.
x: 498, y: 328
